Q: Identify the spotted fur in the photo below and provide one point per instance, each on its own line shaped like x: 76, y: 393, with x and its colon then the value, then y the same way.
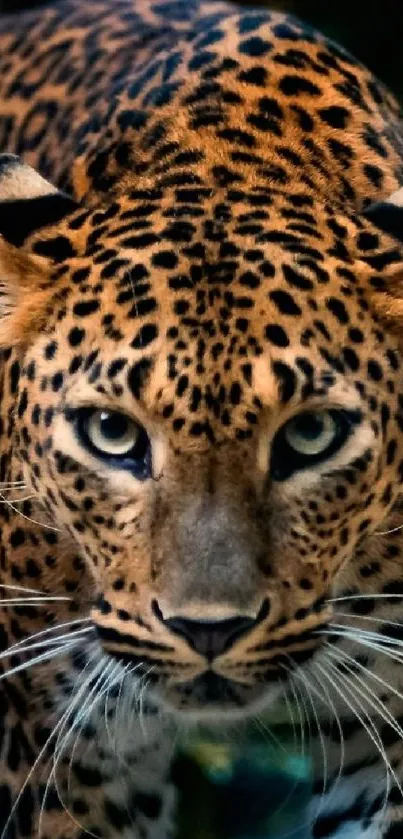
x: 220, y: 253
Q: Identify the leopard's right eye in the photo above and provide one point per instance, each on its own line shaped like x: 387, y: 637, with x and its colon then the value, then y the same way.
x: 116, y: 439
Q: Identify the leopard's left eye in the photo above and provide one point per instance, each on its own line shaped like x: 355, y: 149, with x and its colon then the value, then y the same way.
x: 309, y: 438
x: 310, y: 434
x: 116, y: 438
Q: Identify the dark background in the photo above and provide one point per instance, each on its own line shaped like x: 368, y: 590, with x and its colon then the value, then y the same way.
x: 371, y: 29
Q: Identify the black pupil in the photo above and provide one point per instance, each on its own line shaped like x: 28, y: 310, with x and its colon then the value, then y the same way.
x: 309, y: 426
x: 113, y: 426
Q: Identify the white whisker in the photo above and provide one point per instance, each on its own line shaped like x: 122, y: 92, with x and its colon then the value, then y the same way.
x: 63, y: 648
x: 378, y: 637
x: 367, y: 618
x: 23, y: 588
x: 369, y: 726
x: 389, y: 647
x: 10, y: 501
x: 270, y: 738
x: 321, y: 737
x: 91, y: 701
x: 372, y: 699
x: 19, y: 645
x: 387, y: 532
x: 370, y: 674
x: 67, y: 636
x: 365, y: 597
x: 56, y: 753
x: 28, y: 518
x: 29, y: 601
x: 330, y: 704
x: 36, y: 763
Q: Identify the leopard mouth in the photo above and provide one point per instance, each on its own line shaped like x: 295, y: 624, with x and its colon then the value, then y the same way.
x: 237, y: 680
x: 212, y: 693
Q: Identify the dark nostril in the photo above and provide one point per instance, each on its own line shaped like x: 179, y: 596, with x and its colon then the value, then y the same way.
x: 211, y: 638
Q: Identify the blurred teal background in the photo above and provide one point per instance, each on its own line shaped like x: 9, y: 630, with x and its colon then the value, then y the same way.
x: 243, y: 785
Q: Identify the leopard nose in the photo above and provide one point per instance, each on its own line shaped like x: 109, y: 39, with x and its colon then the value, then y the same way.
x: 210, y: 637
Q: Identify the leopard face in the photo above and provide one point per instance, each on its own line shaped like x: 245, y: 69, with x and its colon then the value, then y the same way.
x: 217, y: 451
x: 203, y: 379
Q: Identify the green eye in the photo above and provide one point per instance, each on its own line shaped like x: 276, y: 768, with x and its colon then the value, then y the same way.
x: 112, y: 433
x: 311, y: 434
x: 115, y: 438
x: 310, y: 438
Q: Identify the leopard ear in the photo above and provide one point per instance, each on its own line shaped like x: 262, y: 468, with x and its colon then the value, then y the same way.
x: 27, y: 201
x: 386, y: 289
x: 388, y: 215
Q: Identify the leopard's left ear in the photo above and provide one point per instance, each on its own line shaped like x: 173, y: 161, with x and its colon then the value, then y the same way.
x: 388, y: 215
x: 27, y: 201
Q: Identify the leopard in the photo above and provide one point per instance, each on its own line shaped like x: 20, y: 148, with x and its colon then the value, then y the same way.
x: 201, y: 417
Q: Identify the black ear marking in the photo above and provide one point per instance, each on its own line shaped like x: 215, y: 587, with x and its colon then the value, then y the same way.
x: 19, y: 219
x: 27, y: 201
x: 388, y: 215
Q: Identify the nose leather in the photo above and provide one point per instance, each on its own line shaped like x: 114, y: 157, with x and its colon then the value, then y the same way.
x: 210, y: 638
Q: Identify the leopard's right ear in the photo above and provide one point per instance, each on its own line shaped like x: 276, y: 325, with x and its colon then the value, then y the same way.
x: 27, y: 201
x: 29, y: 205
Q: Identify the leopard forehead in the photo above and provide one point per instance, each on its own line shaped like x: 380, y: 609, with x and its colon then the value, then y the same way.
x: 210, y: 327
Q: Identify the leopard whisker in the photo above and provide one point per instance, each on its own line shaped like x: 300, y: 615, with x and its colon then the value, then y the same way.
x: 57, y: 752
x: 80, y: 722
x: 366, y: 693
x: 297, y: 704
x: 39, y: 757
x: 330, y: 704
x: 306, y: 685
x: 364, y: 597
x: 104, y: 681
x: 19, y: 645
x: 140, y: 699
x: 366, y: 633
x: 380, y: 643
x: 28, y: 518
x: 115, y: 676
x: 23, y: 588
x: 33, y: 601
x: 385, y: 685
x: 290, y: 713
x: 67, y: 636
x: 324, y: 698
x: 15, y: 500
x: 368, y: 618
x: 270, y: 738
x: 118, y: 709
x: 38, y: 659
x: 387, y: 532
x: 369, y: 726
x: 297, y: 699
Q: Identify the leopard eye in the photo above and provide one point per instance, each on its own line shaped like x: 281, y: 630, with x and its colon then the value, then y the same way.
x: 310, y: 438
x: 310, y: 434
x: 115, y: 437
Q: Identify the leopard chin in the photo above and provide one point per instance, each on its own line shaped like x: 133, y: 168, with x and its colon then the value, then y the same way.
x: 213, y: 698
